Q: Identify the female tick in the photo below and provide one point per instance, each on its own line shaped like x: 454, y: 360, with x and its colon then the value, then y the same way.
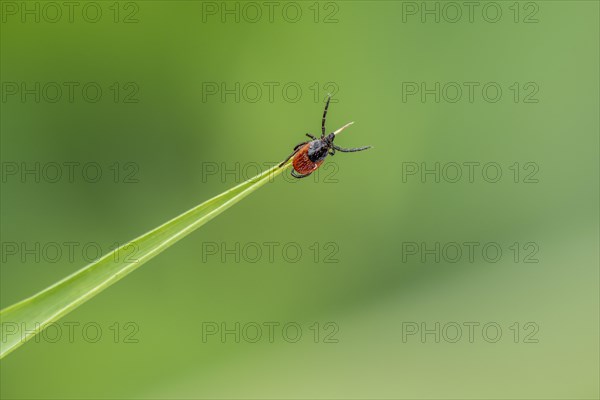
x: 308, y: 156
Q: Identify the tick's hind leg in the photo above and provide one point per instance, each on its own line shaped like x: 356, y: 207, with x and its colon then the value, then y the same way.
x: 296, y: 175
x: 296, y: 148
x: 288, y: 159
x: 351, y: 150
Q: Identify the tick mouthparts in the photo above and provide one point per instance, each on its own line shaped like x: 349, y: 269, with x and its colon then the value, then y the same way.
x: 342, y: 128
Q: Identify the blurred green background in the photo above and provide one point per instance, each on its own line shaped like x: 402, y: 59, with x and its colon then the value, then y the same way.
x: 163, y: 134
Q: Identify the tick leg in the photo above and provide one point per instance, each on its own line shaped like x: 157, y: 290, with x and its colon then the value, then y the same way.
x: 324, y: 117
x: 296, y: 148
x: 296, y: 175
x: 299, y: 145
x: 287, y: 159
x: 350, y: 150
x: 311, y: 136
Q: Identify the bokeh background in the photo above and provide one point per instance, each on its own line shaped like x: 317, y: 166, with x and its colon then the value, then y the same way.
x: 165, y: 136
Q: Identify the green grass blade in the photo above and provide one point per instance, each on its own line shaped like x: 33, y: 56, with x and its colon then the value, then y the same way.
x: 23, y: 320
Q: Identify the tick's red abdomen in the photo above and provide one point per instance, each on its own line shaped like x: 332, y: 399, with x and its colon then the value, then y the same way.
x: 302, y: 163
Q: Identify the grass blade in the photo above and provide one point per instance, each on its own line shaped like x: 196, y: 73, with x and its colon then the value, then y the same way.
x: 22, y: 321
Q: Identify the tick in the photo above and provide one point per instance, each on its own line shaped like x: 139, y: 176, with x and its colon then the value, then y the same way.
x: 308, y: 156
